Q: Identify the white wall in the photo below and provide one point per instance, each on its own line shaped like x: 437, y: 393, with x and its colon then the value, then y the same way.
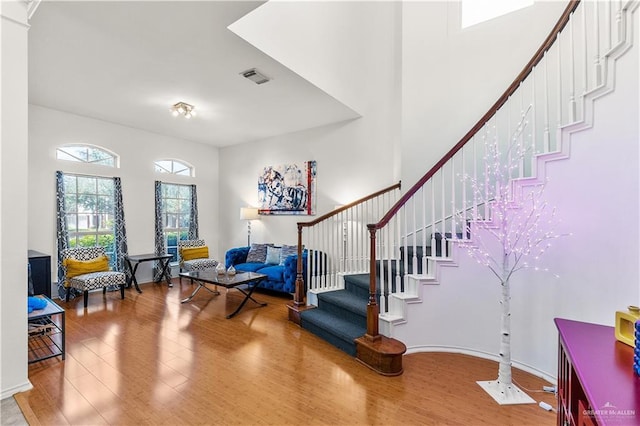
x: 13, y: 203
x: 351, y: 163
x: 138, y: 149
x: 356, y: 61
x: 452, y: 76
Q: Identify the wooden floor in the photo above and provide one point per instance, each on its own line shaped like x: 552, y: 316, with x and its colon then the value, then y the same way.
x: 150, y: 360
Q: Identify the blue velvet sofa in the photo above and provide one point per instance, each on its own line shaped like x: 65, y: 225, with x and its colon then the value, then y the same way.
x: 281, y: 276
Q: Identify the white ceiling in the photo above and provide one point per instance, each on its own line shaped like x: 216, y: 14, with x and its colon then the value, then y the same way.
x: 128, y: 62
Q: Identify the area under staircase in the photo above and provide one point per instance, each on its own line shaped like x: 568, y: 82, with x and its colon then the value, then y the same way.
x: 393, y: 234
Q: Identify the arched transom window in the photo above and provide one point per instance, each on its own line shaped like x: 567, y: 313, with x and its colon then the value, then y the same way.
x: 174, y: 167
x: 83, y: 153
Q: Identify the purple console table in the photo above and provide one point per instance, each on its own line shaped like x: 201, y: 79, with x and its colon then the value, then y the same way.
x: 596, y: 384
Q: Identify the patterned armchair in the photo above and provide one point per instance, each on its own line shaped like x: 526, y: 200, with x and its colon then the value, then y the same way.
x: 87, y: 268
x: 194, y: 256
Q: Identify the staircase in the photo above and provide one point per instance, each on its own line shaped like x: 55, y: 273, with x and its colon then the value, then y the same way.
x: 554, y: 95
x: 340, y: 316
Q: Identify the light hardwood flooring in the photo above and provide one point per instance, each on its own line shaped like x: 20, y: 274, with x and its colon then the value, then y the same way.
x: 150, y: 360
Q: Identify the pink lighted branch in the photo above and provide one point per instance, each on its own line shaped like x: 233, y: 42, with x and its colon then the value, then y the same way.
x: 520, y: 222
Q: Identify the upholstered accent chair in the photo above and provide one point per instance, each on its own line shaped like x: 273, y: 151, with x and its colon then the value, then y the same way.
x: 87, y: 268
x: 194, y: 256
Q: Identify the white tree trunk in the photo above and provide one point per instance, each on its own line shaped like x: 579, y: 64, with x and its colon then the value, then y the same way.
x: 504, y: 370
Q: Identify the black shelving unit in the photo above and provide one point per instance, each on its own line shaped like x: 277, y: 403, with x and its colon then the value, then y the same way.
x: 46, y: 332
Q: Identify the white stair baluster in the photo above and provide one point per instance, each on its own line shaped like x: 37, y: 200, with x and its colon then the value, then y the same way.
x: 464, y: 197
x: 443, y: 215
x: 559, y: 99
x: 453, y: 198
x: 608, y: 25
x: 547, y: 135
x: 423, y: 260
x: 597, y: 62
x: 433, y: 216
x: 400, y: 242
x: 572, y: 99
x: 475, y: 180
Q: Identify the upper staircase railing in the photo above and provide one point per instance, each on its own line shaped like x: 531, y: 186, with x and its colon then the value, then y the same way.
x: 337, y: 242
x: 553, y: 93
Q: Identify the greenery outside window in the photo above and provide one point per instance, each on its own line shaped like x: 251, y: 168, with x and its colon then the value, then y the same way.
x: 89, y: 206
x: 87, y: 154
x: 176, y: 216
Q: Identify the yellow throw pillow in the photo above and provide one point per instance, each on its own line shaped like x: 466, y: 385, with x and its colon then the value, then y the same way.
x: 81, y: 267
x: 189, y: 253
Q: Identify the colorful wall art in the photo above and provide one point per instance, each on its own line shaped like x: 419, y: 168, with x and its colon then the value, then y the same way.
x: 288, y: 189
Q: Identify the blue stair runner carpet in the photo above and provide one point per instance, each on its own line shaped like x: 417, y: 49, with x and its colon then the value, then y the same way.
x: 341, y: 315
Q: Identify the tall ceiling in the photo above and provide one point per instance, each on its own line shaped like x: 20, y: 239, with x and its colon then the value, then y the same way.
x: 128, y: 62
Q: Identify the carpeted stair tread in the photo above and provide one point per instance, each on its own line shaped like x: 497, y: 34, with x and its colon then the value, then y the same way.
x: 357, y: 284
x: 358, y: 280
x: 332, y: 328
x: 345, y: 300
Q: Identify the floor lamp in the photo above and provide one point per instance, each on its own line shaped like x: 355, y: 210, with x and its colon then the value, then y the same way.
x: 249, y: 214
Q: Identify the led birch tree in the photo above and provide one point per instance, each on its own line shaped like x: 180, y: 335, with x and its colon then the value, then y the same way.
x: 512, y: 228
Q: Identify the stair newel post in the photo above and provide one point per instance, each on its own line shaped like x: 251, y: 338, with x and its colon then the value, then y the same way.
x: 299, y: 294
x: 372, y: 306
x: 297, y: 305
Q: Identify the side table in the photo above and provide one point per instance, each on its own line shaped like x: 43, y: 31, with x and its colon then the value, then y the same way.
x: 46, y: 332
x: 137, y: 259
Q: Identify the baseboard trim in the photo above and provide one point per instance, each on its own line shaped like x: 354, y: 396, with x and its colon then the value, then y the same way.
x: 484, y: 355
x: 6, y: 393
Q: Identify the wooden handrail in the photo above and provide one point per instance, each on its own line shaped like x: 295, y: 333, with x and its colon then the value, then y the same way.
x: 298, y: 298
x: 537, y: 57
x: 348, y: 206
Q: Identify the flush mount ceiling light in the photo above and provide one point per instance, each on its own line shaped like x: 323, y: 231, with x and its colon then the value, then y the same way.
x: 255, y: 76
x: 182, y: 108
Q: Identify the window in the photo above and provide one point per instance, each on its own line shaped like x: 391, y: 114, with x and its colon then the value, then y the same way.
x: 89, y: 206
x: 174, y: 167
x: 477, y: 11
x: 176, y: 216
x: 87, y: 154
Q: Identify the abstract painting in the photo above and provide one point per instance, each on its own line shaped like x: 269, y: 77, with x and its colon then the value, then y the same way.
x: 288, y: 189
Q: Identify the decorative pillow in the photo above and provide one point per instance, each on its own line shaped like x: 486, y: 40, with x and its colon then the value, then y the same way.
x: 189, y: 253
x: 273, y: 255
x: 81, y: 267
x: 257, y: 253
x: 286, y: 252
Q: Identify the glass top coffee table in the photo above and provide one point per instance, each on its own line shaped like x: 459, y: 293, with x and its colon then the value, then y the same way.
x: 245, y: 282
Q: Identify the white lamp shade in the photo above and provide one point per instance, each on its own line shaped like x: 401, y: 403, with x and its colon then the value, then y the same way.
x: 249, y: 213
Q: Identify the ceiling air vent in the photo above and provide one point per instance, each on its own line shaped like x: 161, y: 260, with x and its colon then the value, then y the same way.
x: 254, y: 76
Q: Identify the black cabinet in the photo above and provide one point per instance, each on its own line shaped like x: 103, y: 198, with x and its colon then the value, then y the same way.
x: 40, y: 264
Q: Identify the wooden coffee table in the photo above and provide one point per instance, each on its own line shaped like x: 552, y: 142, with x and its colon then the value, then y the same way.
x: 245, y: 282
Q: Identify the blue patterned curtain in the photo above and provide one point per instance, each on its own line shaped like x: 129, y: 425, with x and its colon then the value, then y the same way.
x: 193, y: 219
x: 159, y: 230
x: 62, y: 231
x: 119, y: 228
